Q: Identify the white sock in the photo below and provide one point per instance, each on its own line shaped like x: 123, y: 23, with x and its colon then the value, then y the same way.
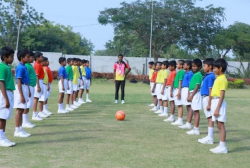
x: 67, y: 106
x: 166, y: 110
x: 172, y: 116
x: 158, y: 104
x: 180, y: 119
x: 161, y: 108
x: 59, y: 106
x: 35, y: 113
x: 210, y: 132
x: 188, y: 124
x: 44, y: 108
x: 222, y: 144
x: 75, y: 102
x: 62, y: 106
x: 25, y: 118
x: 87, y: 96
x: 20, y: 128
x: 1, y: 134
x: 17, y: 129
x: 196, y: 128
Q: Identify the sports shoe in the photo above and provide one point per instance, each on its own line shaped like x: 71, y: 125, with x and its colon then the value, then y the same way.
x: 21, y: 134
x: 123, y: 102
x: 36, y: 118
x: 158, y: 112
x: 206, y: 140
x: 81, y: 101
x: 69, y: 109
x: 193, y: 132
x: 185, y: 126
x: 88, y: 101
x: 61, y: 111
x: 6, y: 143
x: 77, y: 104
x: 73, y: 106
x: 28, y: 125
x: 42, y: 115
x: 47, y: 112
x: 178, y: 123
x: 66, y: 111
x: 116, y: 101
x: 219, y: 149
x: 169, y: 119
x: 28, y: 134
x: 163, y: 115
x: 151, y: 105
x: 154, y: 109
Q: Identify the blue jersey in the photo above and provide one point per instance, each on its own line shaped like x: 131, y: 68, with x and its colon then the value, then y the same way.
x: 22, y: 73
x: 207, y: 84
x: 187, y: 78
x: 62, y: 72
x: 88, y: 72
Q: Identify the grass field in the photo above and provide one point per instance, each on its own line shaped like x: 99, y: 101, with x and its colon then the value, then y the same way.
x: 91, y: 137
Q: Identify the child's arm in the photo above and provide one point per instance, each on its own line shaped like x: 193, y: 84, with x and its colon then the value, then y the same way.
x: 37, y: 84
x: 172, y: 87
x: 179, y: 90
x: 29, y: 91
x: 19, y: 86
x: 164, y: 85
x: 3, y: 90
x: 114, y: 74
x: 62, y: 83
x: 153, y: 89
x: 209, y: 100
x: 48, y: 87
x: 190, y: 98
x: 222, y: 96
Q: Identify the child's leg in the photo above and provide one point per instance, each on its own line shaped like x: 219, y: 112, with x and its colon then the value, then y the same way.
x: 81, y: 93
x: 35, y: 104
x: 87, y: 94
x: 189, y: 114
x: 155, y: 100
x: 2, y: 129
x: 172, y: 105
x: 60, y: 101
x: 19, y: 113
x: 165, y: 104
x: 67, y: 99
x: 210, y: 127
x: 180, y: 111
x: 196, y: 118
x: 40, y: 106
x: 222, y: 131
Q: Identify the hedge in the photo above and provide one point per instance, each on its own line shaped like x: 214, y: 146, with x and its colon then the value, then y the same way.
x: 236, y: 84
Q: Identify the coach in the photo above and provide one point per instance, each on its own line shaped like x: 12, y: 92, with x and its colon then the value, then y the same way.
x: 119, y: 77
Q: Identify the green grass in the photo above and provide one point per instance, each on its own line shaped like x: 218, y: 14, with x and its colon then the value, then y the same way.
x: 91, y: 136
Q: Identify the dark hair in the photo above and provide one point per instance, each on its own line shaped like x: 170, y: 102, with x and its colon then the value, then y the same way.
x: 197, y: 62
x: 155, y: 63
x: 69, y: 59
x: 61, y: 60
x: 159, y: 63
x: 181, y: 62
x: 37, y: 55
x: 208, y: 61
x: 165, y: 63
x: 86, y: 61
x: 172, y: 63
x: 120, y: 55
x: 31, y: 53
x: 6, y: 51
x: 151, y: 63
x: 189, y: 63
x: 74, y: 59
x: 21, y: 54
x: 220, y: 63
x: 45, y: 59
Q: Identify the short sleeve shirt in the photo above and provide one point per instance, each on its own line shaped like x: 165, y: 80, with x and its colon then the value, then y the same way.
x: 6, y: 76
x: 187, y: 78
x: 179, y: 77
x: 151, y: 71
x: 49, y: 73
x: 207, y: 84
x: 120, y: 70
x: 80, y: 72
x: 196, y: 80
x: 32, y: 74
x: 159, y: 76
x: 220, y: 84
x: 22, y: 73
x: 171, y: 78
x: 69, y: 72
x: 154, y: 76
x: 46, y: 77
x: 76, y: 74
x: 83, y: 71
x: 39, y: 70
x: 62, y: 73
x: 164, y: 75
x: 88, y: 72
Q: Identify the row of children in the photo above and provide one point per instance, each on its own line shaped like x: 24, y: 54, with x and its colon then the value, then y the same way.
x: 189, y: 88
x: 32, y: 88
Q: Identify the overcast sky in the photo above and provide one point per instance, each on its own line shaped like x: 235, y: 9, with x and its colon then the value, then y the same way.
x: 82, y: 15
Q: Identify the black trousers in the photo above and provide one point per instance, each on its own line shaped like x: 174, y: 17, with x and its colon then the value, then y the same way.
x: 117, y: 87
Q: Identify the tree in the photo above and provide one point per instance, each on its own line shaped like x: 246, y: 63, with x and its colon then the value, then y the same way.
x: 175, y: 21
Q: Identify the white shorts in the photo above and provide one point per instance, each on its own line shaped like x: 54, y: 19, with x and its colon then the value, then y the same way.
x: 31, y: 98
x: 44, y: 91
x: 75, y: 87
x: 6, y: 113
x: 158, y: 90
x: 222, y: 113
x: 49, y: 92
x: 87, y: 84
x: 205, y: 103
x: 80, y: 84
x: 70, y: 90
x: 184, y: 96
x: 17, y: 97
x: 169, y: 94
x: 39, y: 94
x: 177, y: 102
x: 151, y: 87
x: 65, y: 84
x: 165, y: 94
x: 197, y: 101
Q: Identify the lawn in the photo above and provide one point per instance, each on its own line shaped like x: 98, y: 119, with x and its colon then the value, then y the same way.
x: 91, y: 136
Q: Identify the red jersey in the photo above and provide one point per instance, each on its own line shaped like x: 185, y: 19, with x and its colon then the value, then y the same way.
x: 49, y: 72
x: 39, y: 70
x: 154, y: 76
x: 171, y: 78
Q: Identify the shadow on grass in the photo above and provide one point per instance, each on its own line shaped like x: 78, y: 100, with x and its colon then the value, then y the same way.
x: 240, y: 149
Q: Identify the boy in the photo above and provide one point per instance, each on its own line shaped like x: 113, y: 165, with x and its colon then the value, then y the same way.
x: 151, y: 71
x: 82, y: 81
x: 40, y: 89
x: 76, y: 75
x: 62, y: 85
x: 69, y: 91
x: 195, y: 96
x: 88, y: 81
x: 206, y: 89
x: 6, y: 93
x: 22, y: 92
x: 46, y: 82
x: 170, y: 85
x: 178, y: 99
x: 218, y: 105
x: 152, y: 85
x: 164, y: 89
x: 33, y: 78
x: 158, y: 87
x: 185, y: 93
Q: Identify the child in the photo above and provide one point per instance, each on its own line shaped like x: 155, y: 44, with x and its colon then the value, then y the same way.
x: 178, y: 99
x: 82, y: 81
x: 151, y: 71
x: 69, y: 91
x: 76, y: 75
x: 185, y: 93
x: 40, y: 89
x: 206, y: 89
x: 170, y: 85
x: 218, y: 105
x: 152, y: 85
x: 62, y: 85
x: 46, y: 82
x: 33, y: 78
x: 88, y: 81
x: 164, y: 89
x: 6, y: 93
x: 195, y: 96
x: 22, y: 92
x: 158, y: 86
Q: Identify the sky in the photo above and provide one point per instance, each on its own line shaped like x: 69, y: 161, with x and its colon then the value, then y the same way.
x: 82, y: 15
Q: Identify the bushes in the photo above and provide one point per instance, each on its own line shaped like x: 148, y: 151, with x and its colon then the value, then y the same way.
x: 236, y: 84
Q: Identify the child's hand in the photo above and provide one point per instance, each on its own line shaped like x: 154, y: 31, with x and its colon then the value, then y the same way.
x: 68, y: 87
x: 29, y: 94
x: 208, y: 107
x: 216, y: 113
x: 82, y: 83
x: 189, y: 99
x: 38, y: 89
x: 171, y: 95
x: 48, y: 87
x: 22, y: 99
x: 179, y: 96
x: 90, y: 82
x: 162, y: 92
x: 153, y: 90
x: 63, y: 89
x: 7, y: 103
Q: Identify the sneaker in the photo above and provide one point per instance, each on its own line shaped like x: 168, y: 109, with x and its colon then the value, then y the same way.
x: 116, y: 101
x: 73, y: 106
x: 81, y: 101
x: 69, y: 109
x: 123, y: 102
x: 21, y: 134
x: 48, y: 113
x: 42, y: 115
x: 158, y: 112
x: 206, y: 140
x: 178, y: 123
x: 154, y: 109
x: 88, y: 101
x: 77, y: 104
x: 169, y: 119
x: 193, y: 132
x: 185, y: 126
x: 36, y: 118
x: 66, y: 111
x: 61, y: 111
x: 28, y: 134
x: 6, y: 143
x: 28, y: 125
x: 219, y: 149
x: 163, y: 115
x: 151, y: 105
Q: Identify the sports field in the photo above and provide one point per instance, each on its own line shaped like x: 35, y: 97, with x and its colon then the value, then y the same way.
x: 91, y: 136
